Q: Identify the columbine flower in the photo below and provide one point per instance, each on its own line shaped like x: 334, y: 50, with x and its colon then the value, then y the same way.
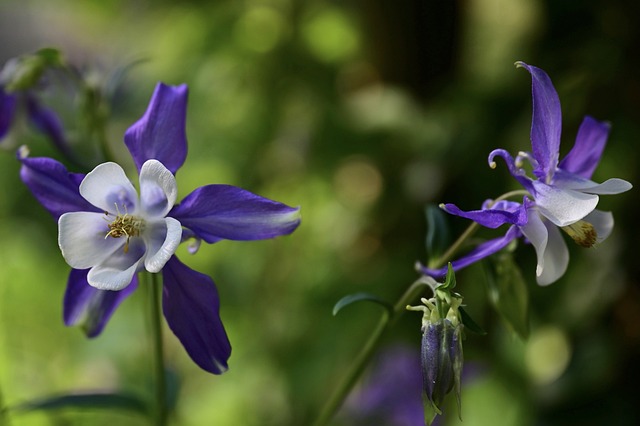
x: 562, y: 196
x: 108, y: 234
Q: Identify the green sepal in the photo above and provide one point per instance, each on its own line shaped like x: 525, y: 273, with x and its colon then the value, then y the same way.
x: 114, y: 401
x: 430, y: 410
x: 469, y: 323
x: 508, y: 292
x: 360, y: 297
x: 438, y: 236
x: 450, y: 279
x: 24, y: 72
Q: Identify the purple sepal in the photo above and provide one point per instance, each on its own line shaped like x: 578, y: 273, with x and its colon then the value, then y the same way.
x: 492, y: 218
x: 8, y: 103
x: 546, y: 124
x: 191, y: 307
x: 160, y: 133
x: 214, y: 212
x: 517, y: 172
x: 48, y: 123
x: 480, y: 252
x: 88, y: 306
x: 53, y: 186
x: 585, y: 155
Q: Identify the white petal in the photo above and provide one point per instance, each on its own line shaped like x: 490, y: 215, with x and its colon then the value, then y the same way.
x: 162, y: 239
x: 81, y: 237
x: 566, y: 180
x: 610, y: 186
x: 117, y: 271
x: 107, y: 186
x: 158, y: 189
x: 563, y: 206
x: 556, y: 257
x: 537, y: 234
x: 603, y: 222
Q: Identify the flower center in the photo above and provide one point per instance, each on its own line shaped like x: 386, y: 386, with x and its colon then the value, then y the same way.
x: 582, y: 233
x: 125, y: 225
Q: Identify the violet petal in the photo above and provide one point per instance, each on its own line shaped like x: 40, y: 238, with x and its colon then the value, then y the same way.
x: 53, y: 186
x: 213, y: 212
x: 88, y: 306
x: 8, y: 103
x: 491, y: 218
x: 191, y: 307
x: 160, y: 133
x: 585, y: 155
x: 546, y: 124
x: 478, y: 253
x: 48, y: 123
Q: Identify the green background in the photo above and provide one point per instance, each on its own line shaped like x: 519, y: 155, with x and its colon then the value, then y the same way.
x: 360, y: 112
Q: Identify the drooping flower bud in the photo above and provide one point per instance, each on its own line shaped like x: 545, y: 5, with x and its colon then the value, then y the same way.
x: 441, y: 351
x: 441, y: 360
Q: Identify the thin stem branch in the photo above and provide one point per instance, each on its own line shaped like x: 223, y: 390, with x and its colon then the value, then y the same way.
x: 155, y: 285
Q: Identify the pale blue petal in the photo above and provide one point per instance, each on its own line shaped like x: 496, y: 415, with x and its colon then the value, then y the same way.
x: 108, y: 188
x: 563, y: 206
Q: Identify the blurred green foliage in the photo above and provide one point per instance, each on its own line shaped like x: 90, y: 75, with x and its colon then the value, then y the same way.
x: 361, y: 112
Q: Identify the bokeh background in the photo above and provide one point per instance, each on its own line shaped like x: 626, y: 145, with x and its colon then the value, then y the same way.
x: 362, y: 112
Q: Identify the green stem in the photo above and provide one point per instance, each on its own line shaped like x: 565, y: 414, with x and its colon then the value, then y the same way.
x: 155, y: 285
x: 341, y: 391
x: 4, y: 416
x: 349, y: 380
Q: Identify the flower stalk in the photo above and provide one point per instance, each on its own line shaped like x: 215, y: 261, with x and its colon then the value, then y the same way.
x: 154, y: 283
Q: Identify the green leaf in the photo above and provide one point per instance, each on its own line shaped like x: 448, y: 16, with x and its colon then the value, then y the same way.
x: 469, y: 323
x: 438, y: 237
x: 360, y: 297
x: 508, y: 292
x: 97, y: 400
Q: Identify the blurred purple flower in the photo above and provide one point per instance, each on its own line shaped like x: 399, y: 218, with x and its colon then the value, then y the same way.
x: 45, y: 120
x: 562, y: 196
x: 108, y: 234
x: 391, y: 393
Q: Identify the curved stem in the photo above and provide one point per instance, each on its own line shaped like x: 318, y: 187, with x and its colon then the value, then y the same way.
x: 348, y: 381
x: 155, y: 285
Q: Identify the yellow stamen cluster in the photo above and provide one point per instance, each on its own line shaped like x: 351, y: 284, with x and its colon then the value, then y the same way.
x: 582, y: 232
x: 125, y: 225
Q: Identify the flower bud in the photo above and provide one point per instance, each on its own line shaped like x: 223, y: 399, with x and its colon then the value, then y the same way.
x: 441, y: 360
x: 24, y: 72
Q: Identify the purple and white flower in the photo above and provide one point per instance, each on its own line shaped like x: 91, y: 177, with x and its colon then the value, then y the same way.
x: 108, y: 233
x: 562, y: 195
